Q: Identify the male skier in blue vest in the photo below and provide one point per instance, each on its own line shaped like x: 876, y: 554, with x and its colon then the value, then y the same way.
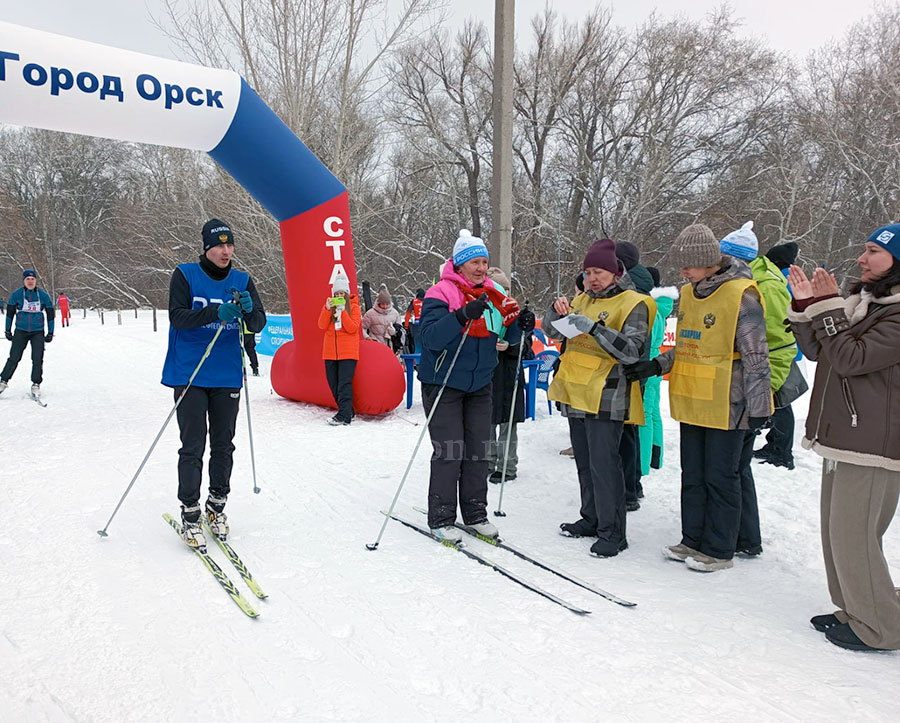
x: 27, y: 305
x: 202, y: 297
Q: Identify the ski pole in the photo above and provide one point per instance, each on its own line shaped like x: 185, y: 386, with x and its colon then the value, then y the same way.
x: 374, y: 545
x: 512, y: 410
x: 102, y: 532
x: 247, y: 399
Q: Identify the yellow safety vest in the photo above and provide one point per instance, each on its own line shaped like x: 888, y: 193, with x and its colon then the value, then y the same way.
x: 700, y: 380
x: 585, y: 365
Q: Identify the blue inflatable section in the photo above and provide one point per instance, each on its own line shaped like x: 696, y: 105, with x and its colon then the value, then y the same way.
x: 271, y: 163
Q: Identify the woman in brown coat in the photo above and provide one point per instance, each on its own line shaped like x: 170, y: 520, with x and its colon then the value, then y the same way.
x: 852, y: 423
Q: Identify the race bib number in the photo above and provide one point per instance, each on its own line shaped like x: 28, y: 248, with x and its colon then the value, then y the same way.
x: 32, y: 307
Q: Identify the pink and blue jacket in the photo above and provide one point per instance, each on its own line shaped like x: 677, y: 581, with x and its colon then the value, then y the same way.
x: 440, y: 331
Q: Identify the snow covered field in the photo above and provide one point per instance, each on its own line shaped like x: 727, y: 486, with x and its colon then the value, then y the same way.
x: 134, y: 628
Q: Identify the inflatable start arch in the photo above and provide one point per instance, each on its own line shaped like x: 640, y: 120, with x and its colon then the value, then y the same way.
x: 63, y: 84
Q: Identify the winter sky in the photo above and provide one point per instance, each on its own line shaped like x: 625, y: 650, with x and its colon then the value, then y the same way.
x: 794, y: 26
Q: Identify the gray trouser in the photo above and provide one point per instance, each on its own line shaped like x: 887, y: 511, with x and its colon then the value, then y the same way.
x: 498, y: 446
x: 858, y: 504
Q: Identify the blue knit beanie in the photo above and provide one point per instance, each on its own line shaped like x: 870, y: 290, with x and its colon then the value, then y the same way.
x: 468, y: 247
x: 741, y: 244
x: 28, y: 272
x: 889, y: 238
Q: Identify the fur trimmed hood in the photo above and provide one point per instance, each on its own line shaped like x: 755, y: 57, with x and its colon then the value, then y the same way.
x: 664, y: 292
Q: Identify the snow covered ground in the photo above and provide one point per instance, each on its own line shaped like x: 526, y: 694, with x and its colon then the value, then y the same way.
x: 133, y: 627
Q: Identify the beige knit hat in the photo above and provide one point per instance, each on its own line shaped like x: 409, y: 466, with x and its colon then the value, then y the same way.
x: 498, y: 276
x: 695, y: 246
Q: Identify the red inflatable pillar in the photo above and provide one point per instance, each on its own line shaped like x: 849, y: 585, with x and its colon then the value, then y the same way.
x: 316, y: 244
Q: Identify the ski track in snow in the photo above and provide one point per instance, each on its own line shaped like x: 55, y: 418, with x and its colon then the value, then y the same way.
x: 134, y: 628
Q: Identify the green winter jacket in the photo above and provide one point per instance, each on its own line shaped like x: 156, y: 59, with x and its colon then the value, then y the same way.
x: 782, y: 345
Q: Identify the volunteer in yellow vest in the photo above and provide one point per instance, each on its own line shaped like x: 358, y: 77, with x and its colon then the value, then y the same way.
x: 614, y: 321
x: 719, y: 387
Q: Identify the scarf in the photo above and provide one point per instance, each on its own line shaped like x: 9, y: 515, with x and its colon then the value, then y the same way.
x: 507, y: 307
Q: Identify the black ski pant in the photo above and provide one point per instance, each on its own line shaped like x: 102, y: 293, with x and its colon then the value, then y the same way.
x: 20, y: 341
x: 250, y: 348
x: 220, y: 406
x: 460, y: 437
x: 630, y: 452
x: 595, y: 443
x: 749, y: 537
x: 780, y: 439
x: 340, y: 378
x: 711, y: 489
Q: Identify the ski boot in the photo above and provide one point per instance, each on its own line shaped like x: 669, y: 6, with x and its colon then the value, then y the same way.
x: 36, y: 391
x: 449, y: 533
x: 216, y: 517
x: 191, y: 532
x: 3, y: 385
x: 484, y: 528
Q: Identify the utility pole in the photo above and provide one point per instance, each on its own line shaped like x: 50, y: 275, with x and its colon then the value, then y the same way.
x: 500, y: 240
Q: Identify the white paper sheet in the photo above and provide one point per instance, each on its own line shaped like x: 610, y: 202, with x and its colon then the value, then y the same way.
x: 566, y: 327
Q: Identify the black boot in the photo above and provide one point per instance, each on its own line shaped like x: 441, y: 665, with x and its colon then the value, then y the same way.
x: 844, y: 637
x: 582, y: 528
x: 824, y: 622
x: 607, y: 548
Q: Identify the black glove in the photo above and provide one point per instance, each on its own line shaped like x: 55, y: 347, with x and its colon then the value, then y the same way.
x: 8, y: 335
x: 526, y: 320
x: 49, y: 337
x: 757, y: 423
x: 642, y: 370
x: 473, y: 310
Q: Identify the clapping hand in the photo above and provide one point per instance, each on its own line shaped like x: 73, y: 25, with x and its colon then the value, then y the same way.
x: 801, y: 287
x: 824, y: 285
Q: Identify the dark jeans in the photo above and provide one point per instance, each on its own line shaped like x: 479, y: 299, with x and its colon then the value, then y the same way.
x: 460, y: 436
x: 630, y: 452
x: 250, y: 348
x: 19, y: 342
x: 711, y: 489
x: 596, y: 446
x: 220, y: 405
x: 748, y: 534
x: 780, y: 439
x: 340, y: 378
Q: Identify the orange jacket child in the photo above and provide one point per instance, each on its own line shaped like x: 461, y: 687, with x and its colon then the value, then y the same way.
x: 341, y: 343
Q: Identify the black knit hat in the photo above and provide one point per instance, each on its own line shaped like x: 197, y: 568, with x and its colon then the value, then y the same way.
x: 654, y: 274
x: 216, y: 232
x: 628, y: 253
x: 783, y: 255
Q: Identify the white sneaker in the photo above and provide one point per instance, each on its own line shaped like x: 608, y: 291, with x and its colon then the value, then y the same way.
x: 485, y: 529
x: 448, y: 533
x: 679, y: 552
x: 706, y: 563
x: 3, y: 386
x: 35, y: 390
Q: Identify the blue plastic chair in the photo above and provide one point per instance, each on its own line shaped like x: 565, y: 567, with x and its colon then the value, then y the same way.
x: 547, y: 358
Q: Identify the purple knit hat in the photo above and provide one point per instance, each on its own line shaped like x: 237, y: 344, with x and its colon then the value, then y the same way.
x: 602, y: 255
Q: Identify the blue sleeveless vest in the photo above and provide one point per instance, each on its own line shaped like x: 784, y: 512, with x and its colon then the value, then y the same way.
x: 223, y: 366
